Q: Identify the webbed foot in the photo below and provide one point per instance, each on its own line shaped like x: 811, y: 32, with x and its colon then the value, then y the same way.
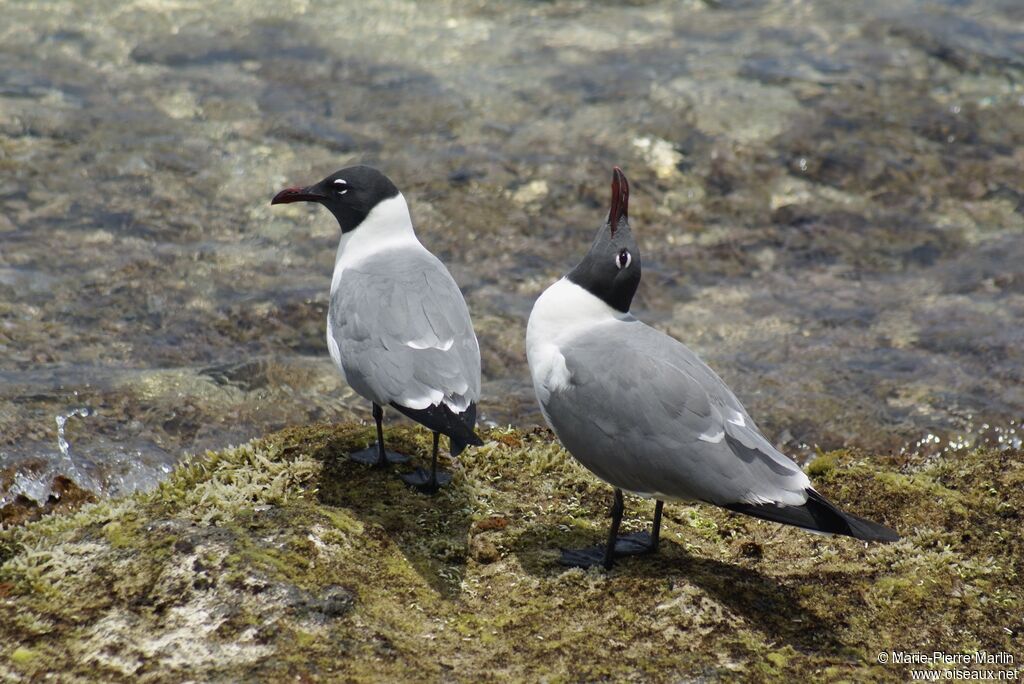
x: 371, y: 456
x: 636, y: 544
x: 422, y: 480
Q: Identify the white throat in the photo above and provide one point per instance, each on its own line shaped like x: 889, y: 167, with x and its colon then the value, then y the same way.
x: 563, y: 311
x: 387, y: 226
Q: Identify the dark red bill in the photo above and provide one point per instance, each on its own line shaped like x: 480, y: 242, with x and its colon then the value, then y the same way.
x: 620, y: 199
x: 289, y: 195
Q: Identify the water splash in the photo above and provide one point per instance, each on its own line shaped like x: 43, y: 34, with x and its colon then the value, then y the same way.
x: 102, y: 467
x: 81, y: 471
x: 35, y: 481
x: 62, y: 419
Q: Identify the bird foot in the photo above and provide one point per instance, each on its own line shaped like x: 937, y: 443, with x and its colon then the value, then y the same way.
x: 637, y: 544
x: 421, y: 480
x: 371, y: 456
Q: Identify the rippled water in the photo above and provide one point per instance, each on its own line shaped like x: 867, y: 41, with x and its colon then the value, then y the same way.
x: 827, y: 195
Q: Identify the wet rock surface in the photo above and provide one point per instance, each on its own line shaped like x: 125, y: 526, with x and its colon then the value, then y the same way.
x: 827, y: 199
x: 282, y: 560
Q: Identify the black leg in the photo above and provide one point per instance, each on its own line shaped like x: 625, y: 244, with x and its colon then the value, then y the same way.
x: 429, y: 483
x: 656, y: 526
x: 376, y: 455
x: 613, y: 532
x: 378, y: 417
x: 637, y: 544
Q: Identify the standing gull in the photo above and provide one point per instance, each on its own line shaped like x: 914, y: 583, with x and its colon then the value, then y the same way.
x: 646, y: 415
x: 397, y: 327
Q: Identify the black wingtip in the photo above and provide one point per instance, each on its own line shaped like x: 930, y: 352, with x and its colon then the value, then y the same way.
x: 459, y: 427
x: 859, y: 528
x: 459, y: 445
x: 871, y: 531
x: 819, y: 515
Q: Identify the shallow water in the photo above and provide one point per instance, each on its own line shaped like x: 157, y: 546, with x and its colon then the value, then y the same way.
x: 827, y: 195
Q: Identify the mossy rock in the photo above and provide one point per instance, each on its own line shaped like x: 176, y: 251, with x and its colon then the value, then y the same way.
x: 281, y: 559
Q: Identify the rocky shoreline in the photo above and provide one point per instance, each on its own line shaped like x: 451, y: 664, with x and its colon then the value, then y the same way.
x: 280, y: 558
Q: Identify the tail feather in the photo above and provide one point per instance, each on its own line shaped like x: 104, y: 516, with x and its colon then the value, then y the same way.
x: 819, y: 515
x: 458, y: 426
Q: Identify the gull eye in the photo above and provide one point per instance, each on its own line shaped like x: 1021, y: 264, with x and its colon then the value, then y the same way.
x: 340, y: 186
x: 623, y: 259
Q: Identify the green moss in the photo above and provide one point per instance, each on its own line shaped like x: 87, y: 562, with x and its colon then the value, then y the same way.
x: 117, y: 535
x: 823, y: 464
x: 281, y: 559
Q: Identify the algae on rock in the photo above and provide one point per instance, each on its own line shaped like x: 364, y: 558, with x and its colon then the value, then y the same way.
x: 281, y: 558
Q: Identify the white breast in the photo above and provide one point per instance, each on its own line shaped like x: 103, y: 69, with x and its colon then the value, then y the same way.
x: 387, y: 226
x: 562, y: 312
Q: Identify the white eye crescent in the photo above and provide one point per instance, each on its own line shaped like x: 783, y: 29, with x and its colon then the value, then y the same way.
x: 340, y: 185
x: 623, y: 259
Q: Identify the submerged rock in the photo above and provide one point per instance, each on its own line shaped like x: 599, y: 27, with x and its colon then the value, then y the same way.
x: 63, y: 495
x: 282, y: 559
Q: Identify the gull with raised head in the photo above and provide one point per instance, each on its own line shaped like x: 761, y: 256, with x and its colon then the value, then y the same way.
x: 642, y: 412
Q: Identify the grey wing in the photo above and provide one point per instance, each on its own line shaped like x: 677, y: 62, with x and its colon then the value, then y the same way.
x: 739, y: 430
x: 670, y: 424
x: 404, y: 333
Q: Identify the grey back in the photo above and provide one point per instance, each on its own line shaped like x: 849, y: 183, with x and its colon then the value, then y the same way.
x: 644, y: 413
x: 404, y: 332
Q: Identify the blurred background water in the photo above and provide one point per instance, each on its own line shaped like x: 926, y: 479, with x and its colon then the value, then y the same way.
x: 828, y: 198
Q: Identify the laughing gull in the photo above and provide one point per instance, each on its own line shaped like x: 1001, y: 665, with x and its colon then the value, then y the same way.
x: 646, y: 415
x: 397, y: 327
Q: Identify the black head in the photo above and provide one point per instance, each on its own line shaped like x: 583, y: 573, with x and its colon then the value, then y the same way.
x: 349, y: 194
x: 611, y: 269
